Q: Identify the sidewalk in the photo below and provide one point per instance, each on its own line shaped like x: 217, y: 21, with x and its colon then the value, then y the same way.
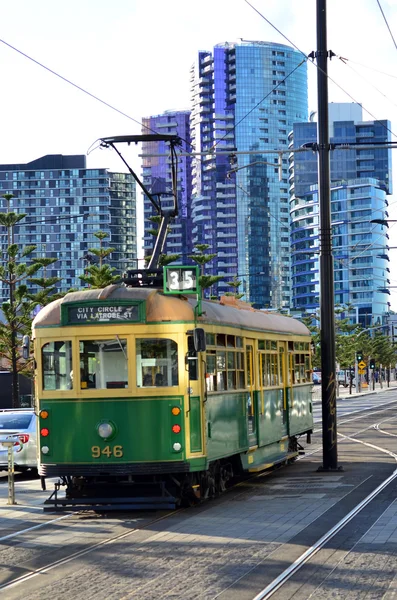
x: 344, y: 392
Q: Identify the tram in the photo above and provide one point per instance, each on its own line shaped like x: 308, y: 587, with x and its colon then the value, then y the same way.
x: 144, y: 400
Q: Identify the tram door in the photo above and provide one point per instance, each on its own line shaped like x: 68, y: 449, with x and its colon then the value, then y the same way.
x: 286, y: 381
x: 251, y: 400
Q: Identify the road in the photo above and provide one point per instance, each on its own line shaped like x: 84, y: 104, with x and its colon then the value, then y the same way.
x: 226, y: 549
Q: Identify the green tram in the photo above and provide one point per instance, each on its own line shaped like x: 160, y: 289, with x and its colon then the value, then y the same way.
x: 145, y: 403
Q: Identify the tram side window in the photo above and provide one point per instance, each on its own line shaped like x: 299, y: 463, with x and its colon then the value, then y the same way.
x: 225, y: 370
x: 301, y: 371
x: 57, y: 366
x: 103, y: 364
x: 269, y: 367
x: 156, y: 362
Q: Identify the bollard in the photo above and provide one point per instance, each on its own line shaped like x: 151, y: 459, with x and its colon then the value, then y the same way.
x: 9, y: 443
x: 11, y: 482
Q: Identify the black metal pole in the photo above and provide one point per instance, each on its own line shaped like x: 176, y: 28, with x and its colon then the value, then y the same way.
x: 327, y: 319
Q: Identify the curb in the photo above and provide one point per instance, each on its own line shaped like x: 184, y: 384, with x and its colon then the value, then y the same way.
x: 361, y: 394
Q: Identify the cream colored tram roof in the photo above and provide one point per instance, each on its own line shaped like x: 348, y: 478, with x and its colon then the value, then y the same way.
x: 175, y: 308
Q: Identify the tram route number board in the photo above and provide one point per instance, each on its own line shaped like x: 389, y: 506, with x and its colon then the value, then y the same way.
x: 181, y: 280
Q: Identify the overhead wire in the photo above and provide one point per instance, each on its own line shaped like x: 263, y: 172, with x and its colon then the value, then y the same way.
x: 74, y: 84
x: 81, y: 89
x: 346, y: 61
x: 317, y: 67
x: 387, y: 24
x: 370, y: 68
x: 258, y: 104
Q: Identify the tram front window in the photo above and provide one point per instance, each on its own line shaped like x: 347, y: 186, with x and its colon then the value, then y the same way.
x: 156, y: 362
x: 57, y: 366
x: 103, y: 364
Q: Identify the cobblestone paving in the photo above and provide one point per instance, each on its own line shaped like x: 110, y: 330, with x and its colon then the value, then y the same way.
x: 363, y: 574
x: 199, y: 556
x: 385, y: 528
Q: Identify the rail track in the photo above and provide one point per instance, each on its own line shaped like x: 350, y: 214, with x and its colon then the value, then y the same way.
x: 283, y: 579
x: 378, y: 418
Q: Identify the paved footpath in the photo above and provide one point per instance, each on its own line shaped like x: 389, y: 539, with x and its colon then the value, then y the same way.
x: 230, y: 548
x: 344, y: 394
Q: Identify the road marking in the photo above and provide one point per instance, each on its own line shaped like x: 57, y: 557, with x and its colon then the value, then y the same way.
x: 12, y: 535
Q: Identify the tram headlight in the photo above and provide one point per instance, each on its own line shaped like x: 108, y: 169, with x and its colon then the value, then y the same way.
x: 45, y: 449
x: 105, y: 430
x: 177, y: 447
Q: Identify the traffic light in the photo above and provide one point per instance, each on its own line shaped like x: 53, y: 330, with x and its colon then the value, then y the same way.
x: 372, y: 363
x: 359, y: 355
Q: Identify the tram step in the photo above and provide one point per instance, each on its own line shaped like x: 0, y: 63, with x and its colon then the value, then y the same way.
x: 108, y: 504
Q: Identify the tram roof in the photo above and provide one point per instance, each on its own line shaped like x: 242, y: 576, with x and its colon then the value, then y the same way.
x: 160, y: 307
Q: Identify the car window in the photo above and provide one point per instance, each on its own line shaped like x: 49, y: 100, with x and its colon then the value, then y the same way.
x: 15, y: 421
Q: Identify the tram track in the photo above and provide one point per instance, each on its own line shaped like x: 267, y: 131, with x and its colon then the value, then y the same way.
x: 74, y: 555
x: 286, y: 575
x: 283, y: 578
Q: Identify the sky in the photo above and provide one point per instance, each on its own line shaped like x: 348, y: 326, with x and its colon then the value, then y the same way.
x: 136, y: 55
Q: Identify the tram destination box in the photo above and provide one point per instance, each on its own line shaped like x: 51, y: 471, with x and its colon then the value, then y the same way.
x: 83, y: 314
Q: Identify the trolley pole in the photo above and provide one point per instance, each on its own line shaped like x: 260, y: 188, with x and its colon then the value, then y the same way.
x: 327, y: 318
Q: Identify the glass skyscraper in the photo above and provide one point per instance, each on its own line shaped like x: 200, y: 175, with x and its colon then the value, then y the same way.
x: 245, y: 99
x: 360, y: 183
x: 65, y: 204
x: 157, y: 179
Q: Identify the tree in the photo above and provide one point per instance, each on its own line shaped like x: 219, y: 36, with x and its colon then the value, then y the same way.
x: 235, y: 284
x: 345, y: 337
x: 15, y: 273
x: 383, y: 351
x: 100, y: 275
x: 201, y: 258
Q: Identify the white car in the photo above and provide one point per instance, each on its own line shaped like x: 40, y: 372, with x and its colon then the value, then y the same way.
x: 20, y: 423
x: 343, y: 378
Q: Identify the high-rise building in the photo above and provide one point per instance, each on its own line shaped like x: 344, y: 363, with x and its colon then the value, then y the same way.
x: 65, y: 204
x: 157, y: 178
x: 245, y: 99
x: 360, y: 183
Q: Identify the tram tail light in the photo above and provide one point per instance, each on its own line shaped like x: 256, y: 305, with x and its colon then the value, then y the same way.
x: 176, y: 428
x: 24, y: 438
x: 44, y: 432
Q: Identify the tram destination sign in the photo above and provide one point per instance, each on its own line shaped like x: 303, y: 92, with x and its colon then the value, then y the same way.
x: 84, y: 314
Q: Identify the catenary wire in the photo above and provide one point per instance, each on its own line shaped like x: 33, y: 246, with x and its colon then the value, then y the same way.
x: 270, y: 214
x: 85, y: 91
x: 346, y: 63
x: 387, y: 24
x: 370, y: 68
x: 318, y: 68
x: 259, y: 103
x: 76, y: 86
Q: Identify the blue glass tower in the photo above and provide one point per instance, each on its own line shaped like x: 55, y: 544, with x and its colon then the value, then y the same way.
x: 65, y: 204
x: 360, y: 182
x: 246, y: 98
x: 157, y: 179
